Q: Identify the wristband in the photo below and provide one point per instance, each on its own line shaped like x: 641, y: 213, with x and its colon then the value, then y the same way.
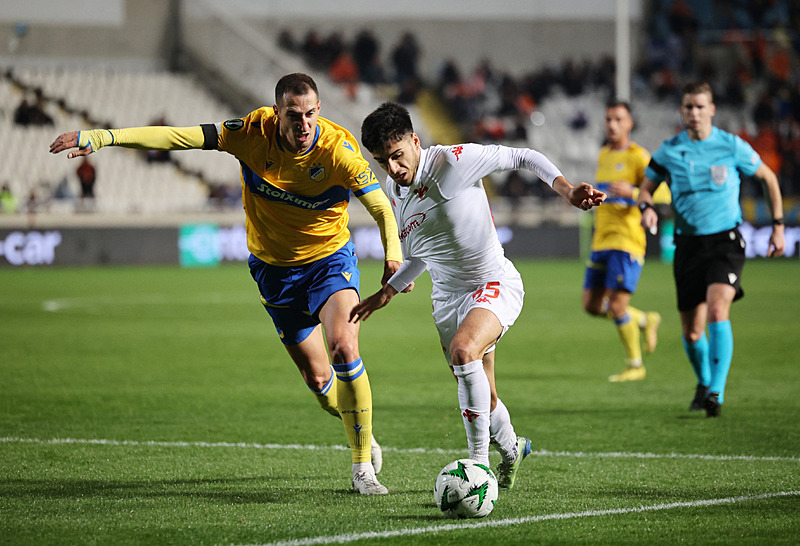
x: 95, y: 139
x: 777, y: 221
x: 644, y: 206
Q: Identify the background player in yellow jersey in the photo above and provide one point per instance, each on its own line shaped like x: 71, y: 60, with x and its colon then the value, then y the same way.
x: 618, y: 244
x: 298, y: 172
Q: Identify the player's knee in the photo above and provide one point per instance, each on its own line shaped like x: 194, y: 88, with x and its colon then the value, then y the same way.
x: 718, y: 313
x: 317, y: 378
x: 596, y: 305
x: 693, y: 336
x: 343, y: 350
x: 462, y: 353
x: 316, y: 382
x: 616, y: 307
x: 593, y: 309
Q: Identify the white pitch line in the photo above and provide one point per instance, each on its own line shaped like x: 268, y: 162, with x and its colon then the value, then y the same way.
x: 626, y: 455
x: 418, y: 450
x: 92, y: 303
x: 155, y: 443
x: 412, y: 531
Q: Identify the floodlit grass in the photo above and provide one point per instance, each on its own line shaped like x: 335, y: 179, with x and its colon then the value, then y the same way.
x: 156, y: 405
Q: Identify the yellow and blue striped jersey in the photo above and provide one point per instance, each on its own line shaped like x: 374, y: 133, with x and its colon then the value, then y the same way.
x: 296, y: 205
x: 618, y: 220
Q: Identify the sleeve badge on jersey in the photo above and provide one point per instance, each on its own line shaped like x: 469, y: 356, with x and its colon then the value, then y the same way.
x: 234, y: 124
x: 719, y: 174
x: 317, y: 173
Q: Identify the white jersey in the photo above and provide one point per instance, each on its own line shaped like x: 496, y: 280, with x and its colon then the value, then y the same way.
x: 445, y: 222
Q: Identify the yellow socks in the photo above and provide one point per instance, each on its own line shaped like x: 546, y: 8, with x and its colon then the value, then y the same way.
x: 354, y: 401
x: 629, y: 333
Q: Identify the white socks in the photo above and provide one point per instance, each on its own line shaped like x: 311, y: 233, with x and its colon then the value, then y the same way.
x: 474, y: 399
x: 502, y: 432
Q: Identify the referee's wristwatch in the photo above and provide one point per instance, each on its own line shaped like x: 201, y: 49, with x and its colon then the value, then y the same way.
x: 644, y: 206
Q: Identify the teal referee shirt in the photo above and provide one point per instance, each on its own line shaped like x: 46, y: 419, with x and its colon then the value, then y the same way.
x: 703, y: 176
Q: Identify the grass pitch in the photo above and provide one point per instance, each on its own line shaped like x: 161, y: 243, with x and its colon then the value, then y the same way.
x: 156, y: 405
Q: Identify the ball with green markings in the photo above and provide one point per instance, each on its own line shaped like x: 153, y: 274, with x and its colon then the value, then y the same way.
x: 465, y: 489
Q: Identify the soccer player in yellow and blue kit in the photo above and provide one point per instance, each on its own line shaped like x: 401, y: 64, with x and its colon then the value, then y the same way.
x: 298, y: 171
x: 702, y: 165
x: 618, y: 244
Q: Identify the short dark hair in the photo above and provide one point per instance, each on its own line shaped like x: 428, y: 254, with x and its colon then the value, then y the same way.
x: 697, y: 88
x: 294, y: 84
x: 389, y: 123
x: 614, y: 103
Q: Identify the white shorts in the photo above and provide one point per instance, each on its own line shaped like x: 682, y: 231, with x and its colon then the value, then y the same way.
x: 503, y: 297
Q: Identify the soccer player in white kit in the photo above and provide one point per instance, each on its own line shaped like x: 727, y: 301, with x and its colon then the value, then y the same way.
x: 446, y: 227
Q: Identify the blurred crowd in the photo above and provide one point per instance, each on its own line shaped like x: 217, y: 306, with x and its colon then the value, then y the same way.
x: 32, y: 110
x: 360, y: 61
x: 747, y: 49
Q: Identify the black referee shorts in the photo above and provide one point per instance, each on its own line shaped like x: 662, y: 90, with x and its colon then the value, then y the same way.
x: 706, y: 259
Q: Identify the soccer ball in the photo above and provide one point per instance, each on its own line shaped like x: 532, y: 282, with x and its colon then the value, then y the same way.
x: 465, y: 489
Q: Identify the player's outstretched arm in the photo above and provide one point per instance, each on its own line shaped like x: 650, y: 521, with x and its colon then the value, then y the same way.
x: 65, y: 141
x: 402, y: 280
x: 390, y: 267
x: 143, y: 138
x: 583, y: 196
x: 377, y: 204
x: 379, y: 299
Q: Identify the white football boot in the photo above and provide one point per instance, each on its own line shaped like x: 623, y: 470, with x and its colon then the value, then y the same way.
x: 365, y: 483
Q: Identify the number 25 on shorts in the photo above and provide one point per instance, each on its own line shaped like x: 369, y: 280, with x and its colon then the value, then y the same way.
x: 490, y: 291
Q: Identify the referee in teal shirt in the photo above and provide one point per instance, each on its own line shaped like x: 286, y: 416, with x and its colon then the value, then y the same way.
x: 702, y: 165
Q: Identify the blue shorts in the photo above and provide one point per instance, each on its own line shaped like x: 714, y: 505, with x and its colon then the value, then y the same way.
x: 293, y: 296
x: 612, y: 269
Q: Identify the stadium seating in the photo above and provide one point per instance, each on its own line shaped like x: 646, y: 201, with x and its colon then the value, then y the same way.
x: 92, y: 97
x: 128, y: 184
